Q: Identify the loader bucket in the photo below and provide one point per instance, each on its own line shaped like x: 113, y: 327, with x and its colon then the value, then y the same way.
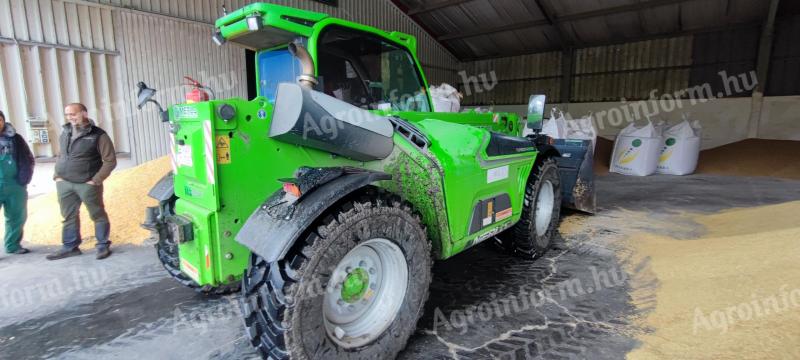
x: 576, y: 167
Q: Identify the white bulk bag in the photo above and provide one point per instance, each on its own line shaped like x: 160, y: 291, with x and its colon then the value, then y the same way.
x: 636, y: 151
x: 582, y: 129
x: 445, y: 98
x: 680, y: 149
x: 556, y: 126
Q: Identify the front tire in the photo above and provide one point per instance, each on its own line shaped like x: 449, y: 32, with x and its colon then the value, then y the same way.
x: 533, y: 235
x: 353, y: 288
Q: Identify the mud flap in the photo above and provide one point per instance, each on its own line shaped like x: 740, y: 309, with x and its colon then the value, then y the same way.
x: 576, y: 168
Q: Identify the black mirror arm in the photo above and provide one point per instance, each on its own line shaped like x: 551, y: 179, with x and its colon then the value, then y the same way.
x: 164, y: 114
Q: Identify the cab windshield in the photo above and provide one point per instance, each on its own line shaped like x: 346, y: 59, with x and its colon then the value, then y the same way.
x: 369, y: 72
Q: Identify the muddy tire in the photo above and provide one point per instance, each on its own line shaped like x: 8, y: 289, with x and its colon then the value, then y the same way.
x: 353, y: 288
x: 533, y: 235
x: 167, y: 251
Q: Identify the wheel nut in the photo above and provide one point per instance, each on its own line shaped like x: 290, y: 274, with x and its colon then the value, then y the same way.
x: 372, y: 271
x: 340, y: 302
x: 362, y: 264
x: 348, y: 270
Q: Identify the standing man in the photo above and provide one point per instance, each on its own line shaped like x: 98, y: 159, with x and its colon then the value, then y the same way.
x: 16, y: 170
x: 87, y: 158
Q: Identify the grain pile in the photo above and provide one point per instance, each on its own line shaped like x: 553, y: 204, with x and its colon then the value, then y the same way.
x: 721, y: 296
x: 125, y: 194
x: 753, y: 157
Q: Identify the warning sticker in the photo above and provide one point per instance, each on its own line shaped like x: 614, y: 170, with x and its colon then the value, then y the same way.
x: 183, y: 155
x: 223, y: 143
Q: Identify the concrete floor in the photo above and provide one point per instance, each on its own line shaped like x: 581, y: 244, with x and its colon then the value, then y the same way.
x: 126, y: 307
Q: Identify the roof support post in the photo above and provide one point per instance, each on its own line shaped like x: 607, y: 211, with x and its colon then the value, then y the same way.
x: 762, y: 68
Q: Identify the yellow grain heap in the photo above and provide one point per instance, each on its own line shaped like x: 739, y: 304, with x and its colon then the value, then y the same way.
x: 734, y: 293
x: 125, y: 195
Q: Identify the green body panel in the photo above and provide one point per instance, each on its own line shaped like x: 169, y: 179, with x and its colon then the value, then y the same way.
x: 460, y: 150
x: 225, y: 181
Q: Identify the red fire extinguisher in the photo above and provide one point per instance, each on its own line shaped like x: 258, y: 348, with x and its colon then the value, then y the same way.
x: 198, y: 92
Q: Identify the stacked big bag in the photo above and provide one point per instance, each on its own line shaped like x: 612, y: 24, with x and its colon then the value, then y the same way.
x: 446, y: 98
x: 643, y: 151
x: 559, y: 127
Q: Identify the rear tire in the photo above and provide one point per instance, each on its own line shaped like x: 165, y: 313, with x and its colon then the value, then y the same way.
x: 300, y: 308
x: 167, y: 251
x: 533, y: 235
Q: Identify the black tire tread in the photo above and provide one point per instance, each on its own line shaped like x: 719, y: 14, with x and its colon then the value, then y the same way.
x: 518, y: 238
x: 269, y: 297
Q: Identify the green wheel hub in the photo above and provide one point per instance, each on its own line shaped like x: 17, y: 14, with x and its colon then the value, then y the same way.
x: 355, y: 285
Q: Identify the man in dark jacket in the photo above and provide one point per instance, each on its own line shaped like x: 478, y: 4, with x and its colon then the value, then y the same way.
x: 87, y: 158
x: 16, y: 170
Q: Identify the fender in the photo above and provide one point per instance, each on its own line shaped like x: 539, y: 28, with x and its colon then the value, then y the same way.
x: 546, y: 151
x: 164, y: 189
x: 275, y: 226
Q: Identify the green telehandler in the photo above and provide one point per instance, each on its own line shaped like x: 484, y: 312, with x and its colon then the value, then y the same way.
x: 327, y: 197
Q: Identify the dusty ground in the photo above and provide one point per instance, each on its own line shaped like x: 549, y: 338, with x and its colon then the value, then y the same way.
x: 732, y: 293
x: 625, y: 282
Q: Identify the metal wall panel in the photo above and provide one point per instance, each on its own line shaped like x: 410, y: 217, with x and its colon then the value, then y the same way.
x: 784, y: 71
x: 160, y: 52
x: 511, y: 80
x: 54, y: 53
x: 632, y: 70
x: 733, y: 52
x: 58, y: 51
x: 382, y: 14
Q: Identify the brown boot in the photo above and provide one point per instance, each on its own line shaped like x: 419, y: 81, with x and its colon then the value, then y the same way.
x: 64, y: 253
x: 103, y: 253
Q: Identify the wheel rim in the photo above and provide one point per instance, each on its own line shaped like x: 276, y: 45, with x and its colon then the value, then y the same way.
x: 544, y: 207
x: 365, y: 292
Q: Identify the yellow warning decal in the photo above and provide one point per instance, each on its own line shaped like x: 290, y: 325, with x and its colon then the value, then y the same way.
x: 223, y: 143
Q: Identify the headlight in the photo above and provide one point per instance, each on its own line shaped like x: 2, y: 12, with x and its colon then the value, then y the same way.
x: 254, y: 22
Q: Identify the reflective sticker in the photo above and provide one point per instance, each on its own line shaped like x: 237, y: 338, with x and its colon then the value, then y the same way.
x: 190, y: 270
x: 262, y: 114
x: 496, y: 174
x: 209, y: 153
x: 223, y: 149
x: 172, y: 153
x: 503, y: 214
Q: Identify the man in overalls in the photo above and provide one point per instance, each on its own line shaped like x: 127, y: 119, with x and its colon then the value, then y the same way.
x: 16, y: 170
x: 87, y: 158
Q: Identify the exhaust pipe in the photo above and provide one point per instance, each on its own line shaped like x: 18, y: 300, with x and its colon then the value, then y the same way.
x: 307, y: 79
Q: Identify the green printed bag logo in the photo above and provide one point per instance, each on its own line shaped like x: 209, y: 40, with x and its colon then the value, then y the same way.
x: 666, y: 151
x: 631, y: 154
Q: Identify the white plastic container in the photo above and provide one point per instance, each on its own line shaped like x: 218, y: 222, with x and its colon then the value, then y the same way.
x: 680, y: 149
x: 636, y: 151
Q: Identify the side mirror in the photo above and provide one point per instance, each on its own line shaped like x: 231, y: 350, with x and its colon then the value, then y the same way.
x: 145, y: 95
x: 536, y: 112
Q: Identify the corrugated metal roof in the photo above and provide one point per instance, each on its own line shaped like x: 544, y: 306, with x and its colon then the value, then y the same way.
x: 576, y: 23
